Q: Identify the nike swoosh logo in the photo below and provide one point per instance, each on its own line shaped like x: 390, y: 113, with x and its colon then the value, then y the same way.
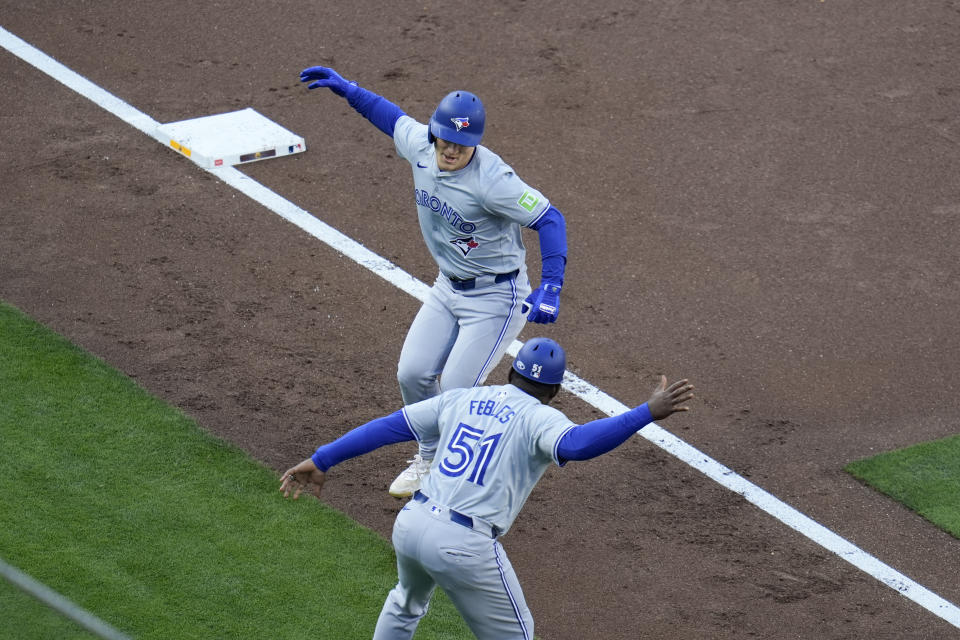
x: 422, y: 166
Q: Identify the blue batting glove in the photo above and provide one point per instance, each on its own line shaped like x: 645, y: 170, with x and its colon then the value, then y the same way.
x: 326, y: 77
x: 544, y: 304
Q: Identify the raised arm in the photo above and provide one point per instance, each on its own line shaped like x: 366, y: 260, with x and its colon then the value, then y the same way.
x: 597, y: 437
x: 377, y: 109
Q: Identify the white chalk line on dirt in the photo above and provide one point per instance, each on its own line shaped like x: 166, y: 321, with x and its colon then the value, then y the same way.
x: 579, y: 387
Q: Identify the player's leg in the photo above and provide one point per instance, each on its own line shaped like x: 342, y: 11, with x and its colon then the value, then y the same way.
x: 490, y: 320
x: 480, y: 581
x: 409, y: 601
x: 406, y: 603
x: 425, y: 350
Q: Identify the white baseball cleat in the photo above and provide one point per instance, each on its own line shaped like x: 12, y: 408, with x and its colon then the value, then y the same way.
x: 409, y: 480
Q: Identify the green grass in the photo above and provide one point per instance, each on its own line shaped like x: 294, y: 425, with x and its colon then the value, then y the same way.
x: 925, y: 477
x: 124, y: 505
x: 44, y: 622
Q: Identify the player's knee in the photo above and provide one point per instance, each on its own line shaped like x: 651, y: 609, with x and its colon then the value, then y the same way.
x: 409, y: 377
x: 416, y: 385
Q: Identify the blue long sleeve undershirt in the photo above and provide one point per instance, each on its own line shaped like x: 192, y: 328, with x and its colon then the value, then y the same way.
x: 375, y: 108
x: 364, y: 439
x: 597, y: 437
x: 551, y: 229
x: 582, y: 442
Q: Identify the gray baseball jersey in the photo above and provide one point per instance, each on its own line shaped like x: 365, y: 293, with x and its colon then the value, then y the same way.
x: 493, y: 445
x: 470, y: 219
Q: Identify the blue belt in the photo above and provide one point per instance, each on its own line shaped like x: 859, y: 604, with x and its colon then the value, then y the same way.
x: 463, y: 285
x: 456, y: 516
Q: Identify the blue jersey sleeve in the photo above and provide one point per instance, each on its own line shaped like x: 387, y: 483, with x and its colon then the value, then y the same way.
x: 377, y: 109
x: 364, y: 439
x: 600, y: 436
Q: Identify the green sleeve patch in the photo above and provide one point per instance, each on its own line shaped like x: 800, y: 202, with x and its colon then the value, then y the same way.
x: 528, y: 201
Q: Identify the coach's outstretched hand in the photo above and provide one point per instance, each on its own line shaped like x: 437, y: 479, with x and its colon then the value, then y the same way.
x: 326, y: 77
x: 667, y: 400
x: 297, y: 479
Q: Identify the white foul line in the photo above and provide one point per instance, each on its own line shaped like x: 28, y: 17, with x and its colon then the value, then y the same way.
x: 59, y: 603
x: 579, y: 387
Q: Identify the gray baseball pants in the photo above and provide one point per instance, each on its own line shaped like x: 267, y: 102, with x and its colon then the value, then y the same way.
x: 469, y: 565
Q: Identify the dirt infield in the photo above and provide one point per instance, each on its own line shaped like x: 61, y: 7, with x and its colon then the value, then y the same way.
x: 760, y: 196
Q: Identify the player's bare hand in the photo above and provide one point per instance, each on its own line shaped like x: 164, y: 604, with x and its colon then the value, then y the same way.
x: 669, y: 399
x: 298, y: 478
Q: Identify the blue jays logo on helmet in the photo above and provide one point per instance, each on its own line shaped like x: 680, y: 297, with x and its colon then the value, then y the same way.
x: 459, y: 118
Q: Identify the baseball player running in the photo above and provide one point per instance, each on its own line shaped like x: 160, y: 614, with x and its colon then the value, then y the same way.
x: 471, y: 207
x: 494, y: 443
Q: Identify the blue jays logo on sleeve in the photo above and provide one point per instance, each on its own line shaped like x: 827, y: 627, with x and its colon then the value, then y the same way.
x: 466, y: 245
x: 460, y: 123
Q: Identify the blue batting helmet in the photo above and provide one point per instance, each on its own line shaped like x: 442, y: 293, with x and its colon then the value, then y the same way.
x: 541, y: 360
x: 459, y: 118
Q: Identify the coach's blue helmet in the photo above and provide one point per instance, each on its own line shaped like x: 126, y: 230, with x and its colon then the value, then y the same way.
x: 541, y: 360
x: 459, y: 118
